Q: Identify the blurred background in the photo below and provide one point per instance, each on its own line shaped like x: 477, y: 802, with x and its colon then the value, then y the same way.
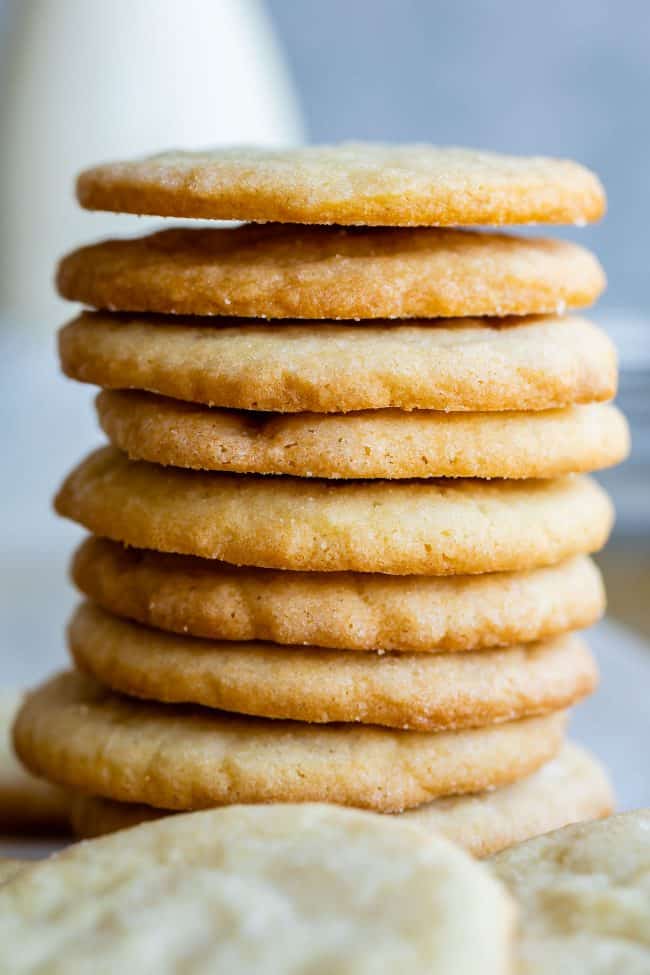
x: 82, y: 81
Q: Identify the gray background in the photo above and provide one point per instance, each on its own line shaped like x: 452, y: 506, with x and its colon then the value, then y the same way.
x: 566, y: 77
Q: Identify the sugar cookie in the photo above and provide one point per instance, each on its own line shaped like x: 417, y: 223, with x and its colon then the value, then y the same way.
x: 285, y: 271
x: 27, y: 804
x: 350, y: 183
x: 569, y: 788
x: 584, y: 893
x: 282, y: 889
x: 389, y: 444
x: 426, y: 692
x: 76, y: 732
x: 475, y: 365
x: 443, y: 527
x: 348, y: 610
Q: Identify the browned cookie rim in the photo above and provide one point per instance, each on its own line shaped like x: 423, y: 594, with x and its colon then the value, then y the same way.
x: 289, y: 271
x: 423, y: 692
x: 444, y: 527
x: 389, y: 444
x: 349, y: 611
x: 475, y: 365
x: 74, y: 732
x: 502, y: 820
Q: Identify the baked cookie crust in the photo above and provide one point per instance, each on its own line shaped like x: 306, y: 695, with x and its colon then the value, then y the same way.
x: 439, y: 527
x: 288, y: 271
x: 426, y: 692
x: 389, y: 444
x: 569, y: 788
x: 81, y: 735
x: 474, y: 365
x: 350, y: 183
x: 345, y: 610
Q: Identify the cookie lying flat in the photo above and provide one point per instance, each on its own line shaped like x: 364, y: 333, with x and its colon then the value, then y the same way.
x: 349, y: 611
x: 570, y: 788
x: 426, y: 692
x: 445, y: 527
x: 9, y: 868
x: 283, y: 890
x: 76, y: 732
x: 584, y: 893
x: 376, y: 443
x: 468, y: 364
x: 27, y: 804
x: 285, y: 271
x: 350, y: 183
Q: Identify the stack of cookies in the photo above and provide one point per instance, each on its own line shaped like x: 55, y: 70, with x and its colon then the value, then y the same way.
x: 340, y: 538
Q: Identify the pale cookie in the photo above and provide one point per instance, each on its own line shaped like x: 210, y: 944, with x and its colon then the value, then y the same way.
x: 570, y: 788
x: 284, y: 271
x: 283, y: 890
x: 9, y: 868
x: 427, y: 692
x: 78, y: 733
x: 350, y: 183
x: 374, y: 444
x: 349, y: 611
x: 27, y: 804
x: 445, y: 527
x: 584, y: 894
x: 470, y: 364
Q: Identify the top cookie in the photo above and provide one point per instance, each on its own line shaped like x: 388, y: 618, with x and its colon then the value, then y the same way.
x: 352, y: 183
x: 288, y: 271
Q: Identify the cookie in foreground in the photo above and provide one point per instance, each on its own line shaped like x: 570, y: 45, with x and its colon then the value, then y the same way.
x: 9, y: 868
x: 272, y: 889
x: 584, y: 896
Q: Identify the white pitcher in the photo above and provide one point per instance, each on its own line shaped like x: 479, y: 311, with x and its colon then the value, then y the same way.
x: 92, y: 80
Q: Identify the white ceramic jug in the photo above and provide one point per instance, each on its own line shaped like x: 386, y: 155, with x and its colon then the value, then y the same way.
x: 93, y: 80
